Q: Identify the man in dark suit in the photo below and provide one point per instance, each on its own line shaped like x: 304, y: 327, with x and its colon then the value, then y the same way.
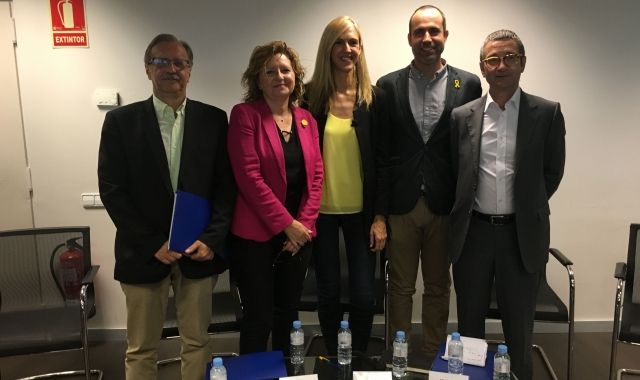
x: 421, y: 97
x: 148, y: 150
x: 509, y: 152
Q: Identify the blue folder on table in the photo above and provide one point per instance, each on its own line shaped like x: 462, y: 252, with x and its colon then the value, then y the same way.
x: 474, y: 372
x: 191, y: 216
x: 256, y: 366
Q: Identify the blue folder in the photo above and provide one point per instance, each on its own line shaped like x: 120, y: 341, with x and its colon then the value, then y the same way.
x: 191, y: 215
x: 256, y: 366
x: 474, y: 372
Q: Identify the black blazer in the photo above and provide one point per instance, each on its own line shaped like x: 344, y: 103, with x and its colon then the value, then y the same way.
x: 135, y: 186
x: 371, y: 126
x: 540, y: 156
x: 410, y: 158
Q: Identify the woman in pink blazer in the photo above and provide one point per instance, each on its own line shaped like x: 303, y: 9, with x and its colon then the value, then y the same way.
x: 277, y: 164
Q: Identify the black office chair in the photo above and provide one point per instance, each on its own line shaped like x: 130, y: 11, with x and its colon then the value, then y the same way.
x: 309, y: 299
x: 626, y: 320
x: 226, y: 314
x: 550, y: 308
x: 46, y: 293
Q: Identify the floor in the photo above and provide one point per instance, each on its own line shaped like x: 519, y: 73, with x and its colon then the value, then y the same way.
x: 591, y: 357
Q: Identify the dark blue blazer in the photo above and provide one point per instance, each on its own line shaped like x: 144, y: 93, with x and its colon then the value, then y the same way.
x: 135, y: 186
x: 412, y: 162
x: 372, y: 131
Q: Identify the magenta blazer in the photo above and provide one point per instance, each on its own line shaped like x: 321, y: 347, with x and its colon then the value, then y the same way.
x: 258, y: 165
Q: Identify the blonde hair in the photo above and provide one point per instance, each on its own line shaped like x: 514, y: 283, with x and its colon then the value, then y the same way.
x: 259, y: 57
x: 322, y: 84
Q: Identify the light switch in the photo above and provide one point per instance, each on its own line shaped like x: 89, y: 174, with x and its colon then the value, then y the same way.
x: 106, y: 98
x: 91, y: 200
x: 87, y: 200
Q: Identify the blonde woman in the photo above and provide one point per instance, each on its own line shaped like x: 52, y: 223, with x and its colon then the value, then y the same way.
x: 352, y: 129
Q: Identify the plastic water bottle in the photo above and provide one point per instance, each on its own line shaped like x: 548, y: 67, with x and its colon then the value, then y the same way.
x: 296, y: 350
x: 344, y: 343
x: 455, y: 354
x: 502, y: 364
x: 218, y: 372
x: 399, y: 361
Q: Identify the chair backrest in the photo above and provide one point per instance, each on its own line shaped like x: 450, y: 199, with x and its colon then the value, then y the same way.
x: 630, y: 321
x: 226, y: 309
x: 39, y: 288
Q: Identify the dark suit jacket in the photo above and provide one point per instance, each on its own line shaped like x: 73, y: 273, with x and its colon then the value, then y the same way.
x: 136, y: 190
x: 371, y: 126
x: 540, y: 155
x: 414, y: 162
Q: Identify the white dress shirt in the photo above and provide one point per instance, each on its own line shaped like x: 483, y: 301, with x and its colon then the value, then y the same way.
x: 497, y: 164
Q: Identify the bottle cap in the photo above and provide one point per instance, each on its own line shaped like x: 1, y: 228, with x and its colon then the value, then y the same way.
x: 297, y: 324
x: 344, y: 324
x: 455, y: 336
x: 502, y: 349
x: 400, y: 334
x: 217, y: 362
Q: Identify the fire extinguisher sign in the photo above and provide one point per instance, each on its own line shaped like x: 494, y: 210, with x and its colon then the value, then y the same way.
x: 68, y: 23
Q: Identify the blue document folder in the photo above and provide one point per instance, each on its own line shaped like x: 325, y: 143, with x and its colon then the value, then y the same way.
x: 191, y: 215
x: 474, y: 372
x: 256, y: 366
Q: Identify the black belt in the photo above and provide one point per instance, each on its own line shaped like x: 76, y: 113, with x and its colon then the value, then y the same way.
x: 496, y: 220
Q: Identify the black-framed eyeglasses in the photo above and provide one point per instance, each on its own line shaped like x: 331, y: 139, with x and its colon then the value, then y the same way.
x: 509, y: 60
x: 179, y: 64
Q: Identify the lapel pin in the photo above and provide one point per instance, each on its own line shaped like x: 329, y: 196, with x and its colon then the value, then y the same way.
x: 304, y: 123
x: 456, y: 83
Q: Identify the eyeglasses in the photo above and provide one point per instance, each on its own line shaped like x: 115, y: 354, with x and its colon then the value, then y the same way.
x: 179, y: 64
x: 509, y: 60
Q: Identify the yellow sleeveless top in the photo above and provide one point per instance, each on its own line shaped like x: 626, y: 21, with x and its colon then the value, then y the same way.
x: 342, y: 186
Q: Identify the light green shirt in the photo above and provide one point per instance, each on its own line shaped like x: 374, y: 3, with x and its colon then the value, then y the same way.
x: 171, y: 129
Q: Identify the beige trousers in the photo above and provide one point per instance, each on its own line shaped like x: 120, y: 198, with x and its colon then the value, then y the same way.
x: 146, y: 309
x: 419, y: 239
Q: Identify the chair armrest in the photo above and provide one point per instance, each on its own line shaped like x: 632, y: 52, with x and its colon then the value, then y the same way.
x: 560, y: 257
x: 620, y: 271
x: 88, y: 277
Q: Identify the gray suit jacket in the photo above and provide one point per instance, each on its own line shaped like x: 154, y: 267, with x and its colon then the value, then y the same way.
x: 540, y: 156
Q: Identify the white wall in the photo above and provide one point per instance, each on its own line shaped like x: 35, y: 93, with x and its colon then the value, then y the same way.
x: 579, y: 53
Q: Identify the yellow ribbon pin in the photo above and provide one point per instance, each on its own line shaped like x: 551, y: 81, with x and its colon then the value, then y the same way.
x: 304, y: 123
x: 456, y: 83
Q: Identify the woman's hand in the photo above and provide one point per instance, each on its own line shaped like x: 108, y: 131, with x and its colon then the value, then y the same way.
x: 290, y: 247
x: 297, y: 234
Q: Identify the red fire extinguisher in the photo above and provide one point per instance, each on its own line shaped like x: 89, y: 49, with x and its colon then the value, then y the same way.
x: 72, y: 269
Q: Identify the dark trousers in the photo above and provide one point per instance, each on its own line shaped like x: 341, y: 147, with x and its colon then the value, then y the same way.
x: 491, y: 254
x: 270, y: 285
x: 361, y: 268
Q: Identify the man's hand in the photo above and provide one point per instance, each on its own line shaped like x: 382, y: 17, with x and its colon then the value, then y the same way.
x: 378, y: 234
x: 199, y: 251
x: 165, y: 256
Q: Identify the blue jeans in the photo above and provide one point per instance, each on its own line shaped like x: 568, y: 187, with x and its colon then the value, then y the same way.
x: 361, y: 269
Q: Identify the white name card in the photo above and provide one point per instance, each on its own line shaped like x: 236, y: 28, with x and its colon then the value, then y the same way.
x: 435, y: 375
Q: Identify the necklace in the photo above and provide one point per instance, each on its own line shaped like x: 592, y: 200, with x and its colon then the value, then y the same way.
x: 283, y: 123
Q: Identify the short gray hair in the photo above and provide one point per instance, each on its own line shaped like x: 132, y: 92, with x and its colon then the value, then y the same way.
x: 500, y: 35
